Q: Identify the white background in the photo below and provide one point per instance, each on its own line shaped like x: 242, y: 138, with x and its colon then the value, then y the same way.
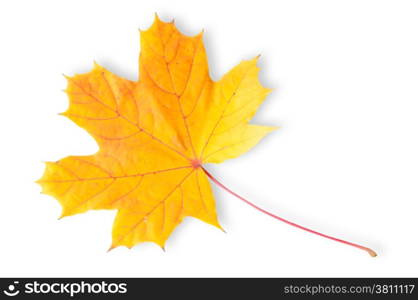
x: 345, y: 161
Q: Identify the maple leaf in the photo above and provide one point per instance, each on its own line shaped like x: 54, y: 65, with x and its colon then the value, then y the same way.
x: 154, y: 136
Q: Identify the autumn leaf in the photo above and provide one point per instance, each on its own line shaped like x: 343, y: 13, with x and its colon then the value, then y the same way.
x: 154, y: 135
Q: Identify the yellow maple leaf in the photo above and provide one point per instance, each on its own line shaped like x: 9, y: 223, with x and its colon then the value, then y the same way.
x: 154, y: 136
